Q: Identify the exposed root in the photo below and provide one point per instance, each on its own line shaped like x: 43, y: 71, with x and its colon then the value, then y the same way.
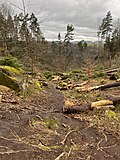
x: 105, y: 138
x: 64, y: 140
x: 107, y: 147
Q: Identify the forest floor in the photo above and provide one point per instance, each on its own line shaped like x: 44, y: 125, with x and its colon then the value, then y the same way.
x: 35, y: 128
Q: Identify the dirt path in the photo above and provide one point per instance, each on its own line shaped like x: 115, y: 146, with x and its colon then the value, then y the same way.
x: 36, y: 129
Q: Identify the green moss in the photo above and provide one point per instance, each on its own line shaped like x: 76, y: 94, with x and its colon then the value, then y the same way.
x: 48, y: 148
x: 51, y: 123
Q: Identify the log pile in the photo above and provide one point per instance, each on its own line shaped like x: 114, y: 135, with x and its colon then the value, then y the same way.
x: 98, y: 105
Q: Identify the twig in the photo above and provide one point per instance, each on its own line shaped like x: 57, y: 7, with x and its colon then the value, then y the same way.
x: 64, y: 140
x: 14, y: 152
x: 71, y: 148
x: 28, y: 3
x: 13, y: 102
x: 102, y: 148
x: 88, y: 158
x: 98, y: 145
x: 109, y: 146
x: 61, y: 155
x: 14, y: 5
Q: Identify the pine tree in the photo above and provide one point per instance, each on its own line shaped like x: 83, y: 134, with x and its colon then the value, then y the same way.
x: 10, y: 27
x: 69, y: 34
x: 106, y: 27
x: 59, y: 43
x: 105, y: 30
x: 82, y: 45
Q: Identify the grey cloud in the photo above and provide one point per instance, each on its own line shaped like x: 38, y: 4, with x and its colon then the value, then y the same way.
x: 82, y: 14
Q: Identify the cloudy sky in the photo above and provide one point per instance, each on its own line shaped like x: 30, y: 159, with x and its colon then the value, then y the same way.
x: 85, y: 15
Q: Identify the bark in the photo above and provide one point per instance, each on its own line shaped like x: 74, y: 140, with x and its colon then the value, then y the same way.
x: 76, y: 109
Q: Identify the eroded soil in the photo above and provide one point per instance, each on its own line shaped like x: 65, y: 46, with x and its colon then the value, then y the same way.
x: 36, y: 129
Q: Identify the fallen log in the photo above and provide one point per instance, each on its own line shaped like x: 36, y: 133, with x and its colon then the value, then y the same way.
x: 101, y: 87
x: 112, y: 70
x: 98, y: 105
x: 76, y: 109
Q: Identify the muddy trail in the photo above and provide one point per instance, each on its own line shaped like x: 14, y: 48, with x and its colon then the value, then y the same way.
x: 36, y: 129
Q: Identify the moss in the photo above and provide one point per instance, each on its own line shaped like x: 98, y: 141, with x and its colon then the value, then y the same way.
x: 9, y: 82
x: 48, y: 148
x: 51, y: 123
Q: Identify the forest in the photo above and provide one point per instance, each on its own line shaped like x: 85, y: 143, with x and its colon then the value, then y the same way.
x: 59, y: 100
x: 22, y: 38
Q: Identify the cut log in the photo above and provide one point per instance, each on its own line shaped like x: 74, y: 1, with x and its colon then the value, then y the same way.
x: 98, y: 105
x: 9, y: 82
x: 112, y: 70
x: 101, y: 87
x: 101, y: 103
x: 106, y: 107
x: 76, y: 109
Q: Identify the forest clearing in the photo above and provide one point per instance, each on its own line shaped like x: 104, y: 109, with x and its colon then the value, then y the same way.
x: 60, y: 99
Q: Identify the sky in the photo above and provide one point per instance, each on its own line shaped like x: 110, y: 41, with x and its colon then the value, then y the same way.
x: 54, y: 15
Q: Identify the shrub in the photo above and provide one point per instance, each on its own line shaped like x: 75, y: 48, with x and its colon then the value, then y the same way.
x: 10, y: 61
x: 98, y: 74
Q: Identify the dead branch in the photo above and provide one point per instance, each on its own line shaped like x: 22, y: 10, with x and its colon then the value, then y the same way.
x: 71, y: 148
x: 61, y: 155
x: 12, y: 102
x: 98, y: 145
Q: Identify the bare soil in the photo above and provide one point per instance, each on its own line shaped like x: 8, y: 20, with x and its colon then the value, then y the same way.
x: 36, y: 129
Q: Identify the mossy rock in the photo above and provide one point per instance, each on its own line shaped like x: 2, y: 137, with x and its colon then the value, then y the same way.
x: 9, y: 82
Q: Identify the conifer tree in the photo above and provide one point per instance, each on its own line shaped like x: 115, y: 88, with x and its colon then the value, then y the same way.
x: 106, y: 27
